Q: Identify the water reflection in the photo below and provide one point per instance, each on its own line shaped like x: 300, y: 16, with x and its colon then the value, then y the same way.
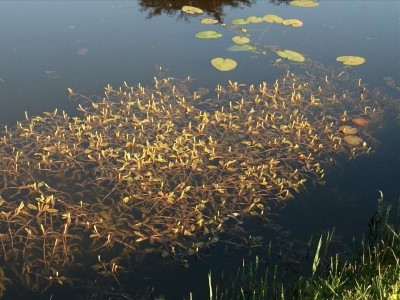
x: 212, y: 8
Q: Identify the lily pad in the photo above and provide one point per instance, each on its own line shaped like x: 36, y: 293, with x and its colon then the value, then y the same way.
x: 254, y: 19
x: 272, y: 18
x: 191, y: 10
x: 351, y: 60
x: 347, y: 129
x: 352, y: 140
x: 208, y: 34
x: 209, y: 21
x: 291, y: 55
x: 238, y: 48
x: 360, y: 121
x: 223, y: 64
x: 240, y: 40
x: 304, y: 3
x: 292, y: 22
x: 240, y: 22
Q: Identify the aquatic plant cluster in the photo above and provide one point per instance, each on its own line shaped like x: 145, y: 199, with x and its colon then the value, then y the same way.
x: 159, y: 169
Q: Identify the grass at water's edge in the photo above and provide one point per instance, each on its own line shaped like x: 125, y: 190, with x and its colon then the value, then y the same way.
x: 374, y: 274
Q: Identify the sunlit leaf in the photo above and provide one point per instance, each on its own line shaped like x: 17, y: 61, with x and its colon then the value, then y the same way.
x: 191, y: 10
x: 223, y: 64
x: 293, y: 22
x: 208, y: 34
x: 291, y: 55
x: 272, y: 18
x: 351, y: 60
x: 240, y: 21
x: 304, y: 3
x: 254, y: 19
x: 209, y: 21
x: 238, y: 48
x: 240, y: 40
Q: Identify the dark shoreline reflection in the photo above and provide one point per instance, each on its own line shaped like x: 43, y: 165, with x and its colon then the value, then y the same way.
x: 211, y: 8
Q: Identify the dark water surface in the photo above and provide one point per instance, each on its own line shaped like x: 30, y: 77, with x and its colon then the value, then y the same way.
x: 47, y: 46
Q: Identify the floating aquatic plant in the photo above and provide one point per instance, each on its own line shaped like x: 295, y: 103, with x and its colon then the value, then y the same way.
x: 239, y: 48
x: 292, y: 22
x: 291, y: 55
x: 223, y: 64
x: 254, y: 19
x: 240, y: 40
x: 304, y: 3
x: 347, y: 129
x: 208, y: 34
x: 352, y: 140
x: 151, y: 170
x: 360, y: 121
x: 191, y: 10
x: 240, y: 21
x: 351, y: 60
x: 270, y: 18
x: 209, y: 21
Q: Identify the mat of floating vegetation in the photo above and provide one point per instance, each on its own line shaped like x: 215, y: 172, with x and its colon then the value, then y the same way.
x: 150, y: 169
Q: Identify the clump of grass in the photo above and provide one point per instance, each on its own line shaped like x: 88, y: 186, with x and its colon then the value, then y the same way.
x: 375, y: 274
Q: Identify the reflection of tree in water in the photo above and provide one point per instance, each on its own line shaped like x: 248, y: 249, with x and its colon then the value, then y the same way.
x: 212, y: 8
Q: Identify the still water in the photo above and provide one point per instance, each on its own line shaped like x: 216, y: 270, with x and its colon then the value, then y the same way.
x: 48, y: 46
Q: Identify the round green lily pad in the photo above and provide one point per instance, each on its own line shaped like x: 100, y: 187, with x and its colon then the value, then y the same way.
x: 191, y: 10
x: 209, y: 21
x: 304, y: 3
x: 240, y: 40
x: 351, y: 60
x: 254, y: 19
x: 292, y: 22
x: 208, y: 34
x: 238, y: 48
x: 272, y: 18
x: 291, y: 55
x: 223, y: 64
x: 240, y: 22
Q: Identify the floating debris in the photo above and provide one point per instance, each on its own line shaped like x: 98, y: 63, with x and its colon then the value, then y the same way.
x: 82, y: 51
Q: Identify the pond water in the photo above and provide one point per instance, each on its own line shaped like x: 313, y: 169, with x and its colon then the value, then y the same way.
x: 49, y: 46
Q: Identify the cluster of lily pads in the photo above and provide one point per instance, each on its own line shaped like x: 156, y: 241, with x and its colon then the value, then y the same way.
x: 243, y: 42
x: 159, y: 170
